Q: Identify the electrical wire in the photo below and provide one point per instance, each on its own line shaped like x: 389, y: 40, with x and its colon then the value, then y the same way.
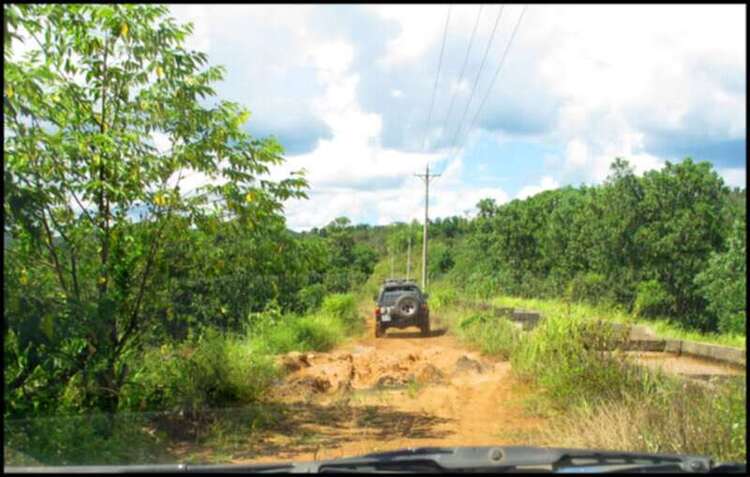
x: 437, y: 77
x: 463, y: 67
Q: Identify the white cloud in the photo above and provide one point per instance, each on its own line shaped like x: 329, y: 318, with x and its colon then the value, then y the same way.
x: 734, y: 177
x: 547, y: 183
x: 589, y: 82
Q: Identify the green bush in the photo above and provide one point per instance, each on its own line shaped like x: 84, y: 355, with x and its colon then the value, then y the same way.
x: 567, y: 358
x: 724, y: 282
x: 442, y: 297
x: 343, y: 307
x: 652, y: 300
x: 318, y: 332
x: 311, y: 297
x: 214, y: 371
x: 588, y: 287
x: 495, y: 336
x: 93, y: 439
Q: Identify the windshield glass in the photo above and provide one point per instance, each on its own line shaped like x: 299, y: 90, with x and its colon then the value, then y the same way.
x: 390, y: 295
x: 203, y: 202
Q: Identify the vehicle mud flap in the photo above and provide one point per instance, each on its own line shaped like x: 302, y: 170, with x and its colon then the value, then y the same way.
x: 379, y: 330
x: 425, y: 327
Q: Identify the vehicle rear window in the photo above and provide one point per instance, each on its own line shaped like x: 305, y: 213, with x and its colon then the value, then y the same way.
x: 390, y: 295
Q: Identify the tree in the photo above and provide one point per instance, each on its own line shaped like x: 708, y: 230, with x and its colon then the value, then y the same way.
x: 93, y: 205
x: 724, y: 281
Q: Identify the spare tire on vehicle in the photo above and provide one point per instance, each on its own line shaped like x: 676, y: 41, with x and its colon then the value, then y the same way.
x: 407, y: 306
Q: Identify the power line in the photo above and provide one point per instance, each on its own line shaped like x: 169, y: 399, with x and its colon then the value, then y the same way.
x: 476, y: 79
x: 427, y: 175
x: 497, y: 71
x: 437, y: 77
x: 463, y: 68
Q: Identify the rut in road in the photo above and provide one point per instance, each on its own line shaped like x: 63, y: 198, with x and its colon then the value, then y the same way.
x: 399, y: 391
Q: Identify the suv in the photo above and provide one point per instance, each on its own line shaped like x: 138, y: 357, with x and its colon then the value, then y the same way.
x: 400, y: 303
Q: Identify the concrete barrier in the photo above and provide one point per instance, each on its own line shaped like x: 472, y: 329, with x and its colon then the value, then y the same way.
x: 639, y: 337
x: 673, y: 346
x: 644, y: 345
x: 724, y: 354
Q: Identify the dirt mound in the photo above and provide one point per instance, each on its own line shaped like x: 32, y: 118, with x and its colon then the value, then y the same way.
x: 364, y: 368
x: 466, y: 364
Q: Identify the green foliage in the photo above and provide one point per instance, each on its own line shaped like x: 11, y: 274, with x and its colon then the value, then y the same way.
x: 494, y: 336
x: 589, y: 287
x: 724, y: 282
x: 78, y: 440
x: 95, y: 209
x: 343, y: 308
x: 601, y: 244
x: 442, y: 297
x: 214, y: 371
x: 599, y: 399
x: 652, y: 300
x: 311, y: 297
x: 566, y: 357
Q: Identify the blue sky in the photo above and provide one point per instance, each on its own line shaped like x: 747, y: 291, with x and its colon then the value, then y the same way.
x: 347, y: 90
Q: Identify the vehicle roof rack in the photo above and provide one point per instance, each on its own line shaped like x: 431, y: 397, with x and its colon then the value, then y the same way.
x: 400, y: 280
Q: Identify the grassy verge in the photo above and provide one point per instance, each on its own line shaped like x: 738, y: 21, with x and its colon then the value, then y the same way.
x: 598, y: 399
x: 662, y: 327
x: 198, y: 391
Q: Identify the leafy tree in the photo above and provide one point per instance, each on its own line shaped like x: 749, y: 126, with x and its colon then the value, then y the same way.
x: 93, y: 205
x: 724, y: 282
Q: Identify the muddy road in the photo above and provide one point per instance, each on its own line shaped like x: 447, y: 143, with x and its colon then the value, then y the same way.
x: 402, y: 390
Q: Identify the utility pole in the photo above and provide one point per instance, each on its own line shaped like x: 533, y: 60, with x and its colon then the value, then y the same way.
x: 426, y: 177
x: 408, y: 257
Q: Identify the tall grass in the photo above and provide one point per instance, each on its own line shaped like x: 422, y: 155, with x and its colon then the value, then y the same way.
x: 594, y: 398
x: 494, y: 336
x: 187, y: 384
x: 662, y: 327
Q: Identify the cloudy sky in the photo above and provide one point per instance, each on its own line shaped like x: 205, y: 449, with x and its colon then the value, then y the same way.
x: 347, y: 91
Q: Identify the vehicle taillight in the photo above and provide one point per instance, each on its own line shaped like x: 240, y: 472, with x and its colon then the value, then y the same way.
x: 377, y: 312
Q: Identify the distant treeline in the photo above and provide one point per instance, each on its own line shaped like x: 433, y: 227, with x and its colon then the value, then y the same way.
x: 671, y: 244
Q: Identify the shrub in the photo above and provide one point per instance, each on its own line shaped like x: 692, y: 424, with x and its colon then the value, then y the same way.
x: 724, y: 283
x: 318, y: 333
x: 214, y: 371
x: 442, y: 297
x: 494, y: 336
x: 567, y: 357
x: 343, y: 307
x: 652, y: 300
x: 589, y: 287
x: 311, y: 297
x: 93, y: 439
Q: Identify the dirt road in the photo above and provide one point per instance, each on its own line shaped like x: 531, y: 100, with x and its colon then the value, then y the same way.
x: 399, y: 391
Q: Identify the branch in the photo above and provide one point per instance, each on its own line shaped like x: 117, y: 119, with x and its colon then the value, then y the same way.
x: 144, y: 278
x: 51, y: 248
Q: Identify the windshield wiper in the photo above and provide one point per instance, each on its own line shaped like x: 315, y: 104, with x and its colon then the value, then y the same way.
x: 448, y: 459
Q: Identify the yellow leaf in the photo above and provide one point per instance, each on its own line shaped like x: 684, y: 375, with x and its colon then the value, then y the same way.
x: 124, y: 30
x: 9, y: 91
x: 249, y: 197
x: 159, y: 71
x: 102, y: 280
x: 24, y: 278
